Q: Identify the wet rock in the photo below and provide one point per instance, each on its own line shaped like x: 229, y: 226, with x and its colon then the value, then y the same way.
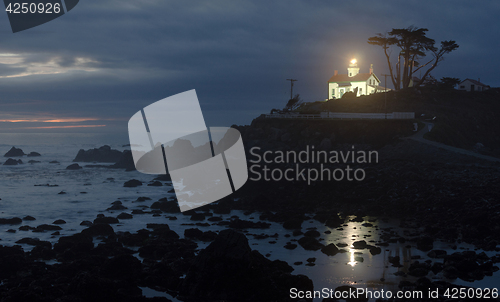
x: 132, y: 183
x: 59, y: 221
x: 141, y: 199
x: 14, y: 220
x: 193, y: 233
x: 359, y: 245
x: 155, y: 184
x: 124, y: 216
x: 437, y: 254
x: 117, y: 206
x: 167, y: 206
x: 208, y: 236
x: 47, y: 227
x: 418, y: 269
x: 78, y: 244
x: 98, y: 229
x: 14, y: 152
x: 103, y: 154
x: 53, y: 162
x: 312, y: 233
x: 197, y: 217
x: 126, y: 162
x: 12, y: 162
x: 215, y: 218
x: 330, y: 250
x: 310, y: 243
x: 228, y: 269
x: 86, y: 223
x: 34, y: 242
x: 163, y: 177
x: 73, y: 167
x: 374, y: 250
x: 34, y: 154
x: 26, y: 228
x: 290, y: 246
x: 34, y: 161
x: 106, y: 220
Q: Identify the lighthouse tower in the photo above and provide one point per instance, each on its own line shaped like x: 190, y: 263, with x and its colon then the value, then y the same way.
x: 353, y: 68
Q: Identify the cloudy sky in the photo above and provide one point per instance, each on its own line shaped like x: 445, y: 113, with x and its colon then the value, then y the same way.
x: 93, y: 68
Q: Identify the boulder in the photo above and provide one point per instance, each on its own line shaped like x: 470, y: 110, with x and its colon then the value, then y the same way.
x: 103, y: 154
x: 155, y: 184
x: 310, y: 243
x: 167, y: 206
x: 126, y: 162
x: 34, y: 154
x: 229, y: 270
x: 12, y: 162
x: 98, y: 229
x: 34, y: 242
x: 132, y: 183
x: 312, y: 233
x: 124, y: 216
x: 14, y: 220
x: 193, y: 233
x: 104, y: 219
x: 359, y: 245
x: 73, y: 167
x: 14, y: 152
x: 330, y: 250
x: 78, y: 243
x: 47, y: 227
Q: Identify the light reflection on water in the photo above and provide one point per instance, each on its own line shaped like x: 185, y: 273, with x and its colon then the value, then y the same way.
x: 20, y: 197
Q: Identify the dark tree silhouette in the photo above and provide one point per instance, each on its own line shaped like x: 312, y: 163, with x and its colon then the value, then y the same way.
x: 449, y: 83
x: 413, y: 45
x: 293, y: 103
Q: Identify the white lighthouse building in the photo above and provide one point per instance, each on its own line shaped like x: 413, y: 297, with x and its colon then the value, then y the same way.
x: 361, y: 83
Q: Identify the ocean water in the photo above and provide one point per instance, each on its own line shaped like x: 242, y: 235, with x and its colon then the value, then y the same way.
x: 90, y: 191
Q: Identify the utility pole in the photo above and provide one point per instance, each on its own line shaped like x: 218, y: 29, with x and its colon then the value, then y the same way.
x: 291, y: 87
x: 385, y: 92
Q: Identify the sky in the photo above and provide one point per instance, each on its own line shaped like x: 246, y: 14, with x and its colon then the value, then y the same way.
x: 93, y: 68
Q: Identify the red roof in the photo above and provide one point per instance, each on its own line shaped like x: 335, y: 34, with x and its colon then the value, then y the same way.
x: 360, y: 77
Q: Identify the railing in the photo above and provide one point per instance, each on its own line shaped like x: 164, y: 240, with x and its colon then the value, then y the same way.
x: 347, y: 115
x: 294, y: 115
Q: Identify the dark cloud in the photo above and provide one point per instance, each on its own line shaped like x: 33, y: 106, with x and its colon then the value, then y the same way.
x: 119, y: 56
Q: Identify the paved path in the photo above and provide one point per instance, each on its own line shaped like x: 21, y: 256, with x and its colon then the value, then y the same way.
x: 419, y: 137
